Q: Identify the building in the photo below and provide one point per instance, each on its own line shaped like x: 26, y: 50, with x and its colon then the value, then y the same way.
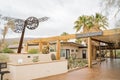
x: 96, y: 42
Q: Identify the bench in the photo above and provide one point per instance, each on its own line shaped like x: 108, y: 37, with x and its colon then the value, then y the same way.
x: 3, y: 65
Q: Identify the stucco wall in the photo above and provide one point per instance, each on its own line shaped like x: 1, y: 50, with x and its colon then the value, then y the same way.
x: 27, y: 58
x: 37, y: 70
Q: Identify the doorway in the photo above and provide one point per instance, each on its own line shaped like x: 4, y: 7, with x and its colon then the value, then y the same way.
x: 84, y: 54
x: 67, y: 53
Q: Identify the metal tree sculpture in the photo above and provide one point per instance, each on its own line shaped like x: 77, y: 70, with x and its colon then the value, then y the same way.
x: 20, y: 25
x: 31, y: 23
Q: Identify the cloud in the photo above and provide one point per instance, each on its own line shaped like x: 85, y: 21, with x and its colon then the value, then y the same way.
x: 62, y: 14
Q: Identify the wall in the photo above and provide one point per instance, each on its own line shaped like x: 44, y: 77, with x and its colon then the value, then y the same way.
x: 27, y: 58
x: 37, y: 70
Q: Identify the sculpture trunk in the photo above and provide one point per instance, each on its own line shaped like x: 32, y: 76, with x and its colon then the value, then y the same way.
x: 21, y: 40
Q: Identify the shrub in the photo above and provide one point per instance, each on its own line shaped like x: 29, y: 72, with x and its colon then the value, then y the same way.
x: 53, y: 57
x: 35, y: 59
x: 45, y: 50
x: 33, y: 51
x: 7, y: 50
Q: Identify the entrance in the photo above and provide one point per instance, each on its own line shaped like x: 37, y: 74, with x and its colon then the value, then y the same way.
x: 67, y: 53
x: 84, y: 54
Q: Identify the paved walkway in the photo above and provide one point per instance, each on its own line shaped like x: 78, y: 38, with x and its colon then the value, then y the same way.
x: 107, y: 70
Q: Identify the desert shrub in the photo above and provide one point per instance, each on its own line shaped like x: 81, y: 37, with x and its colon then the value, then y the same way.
x: 33, y: 51
x: 35, y: 59
x: 7, y: 50
x: 45, y: 50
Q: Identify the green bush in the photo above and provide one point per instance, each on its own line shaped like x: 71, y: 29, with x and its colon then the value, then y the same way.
x: 7, y: 50
x: 33, y: 51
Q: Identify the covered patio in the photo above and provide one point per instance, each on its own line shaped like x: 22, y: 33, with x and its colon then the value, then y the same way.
x: 110, y: 39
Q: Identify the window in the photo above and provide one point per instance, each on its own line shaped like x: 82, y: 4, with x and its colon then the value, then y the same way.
x: 62, y: 53
x: 72, y: 50
x: 76, y: 50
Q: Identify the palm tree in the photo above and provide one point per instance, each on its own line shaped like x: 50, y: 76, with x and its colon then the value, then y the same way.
x: 4, y: 32
x: 100, y: 22
x: 84, y: 22
x: 79, y: 41
x: 64, y: 34
x: 10, y: 24
x: 89, y: 23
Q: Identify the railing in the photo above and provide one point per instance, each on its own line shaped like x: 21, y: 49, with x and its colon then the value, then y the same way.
x: 2, y: 66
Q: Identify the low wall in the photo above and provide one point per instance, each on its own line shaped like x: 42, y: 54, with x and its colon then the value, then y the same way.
x: 37, y: 70
x: 27, y: 58
x: 28, y: 70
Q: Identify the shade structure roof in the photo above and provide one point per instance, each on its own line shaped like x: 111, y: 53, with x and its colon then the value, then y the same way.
x: 107, y: 36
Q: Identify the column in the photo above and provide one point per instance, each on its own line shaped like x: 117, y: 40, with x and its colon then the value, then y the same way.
x: 115, y: 52
x: 40, y: 47
x: 58, y: 50
x: 94, y: 52
x: 100, y: 53
x: 26, y: 47
x: 89, y: 53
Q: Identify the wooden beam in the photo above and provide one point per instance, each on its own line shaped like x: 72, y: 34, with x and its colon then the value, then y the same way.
x: 101, y: 41
x: 111, y: 32
x: 54, y: 38
x: 73, y: 36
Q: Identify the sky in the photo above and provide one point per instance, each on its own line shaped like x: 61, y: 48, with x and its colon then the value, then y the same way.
x: 62, y: 14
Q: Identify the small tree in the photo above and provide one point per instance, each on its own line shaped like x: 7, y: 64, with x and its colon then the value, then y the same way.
x: 64, y: 34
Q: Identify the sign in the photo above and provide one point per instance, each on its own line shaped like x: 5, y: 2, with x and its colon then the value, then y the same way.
x: 90, y: 34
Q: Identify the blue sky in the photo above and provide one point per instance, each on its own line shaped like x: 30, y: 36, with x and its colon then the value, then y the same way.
x: 62, y: 14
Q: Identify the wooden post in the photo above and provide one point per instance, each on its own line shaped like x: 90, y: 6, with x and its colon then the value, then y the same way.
x: 48, y: 44
x: 89, y: 53
x: 58, y: 50
x: 115, y: 53
x: 94, y: 52
x: 100, y: 52
x: 26, y: 47
x: 40, y: 47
